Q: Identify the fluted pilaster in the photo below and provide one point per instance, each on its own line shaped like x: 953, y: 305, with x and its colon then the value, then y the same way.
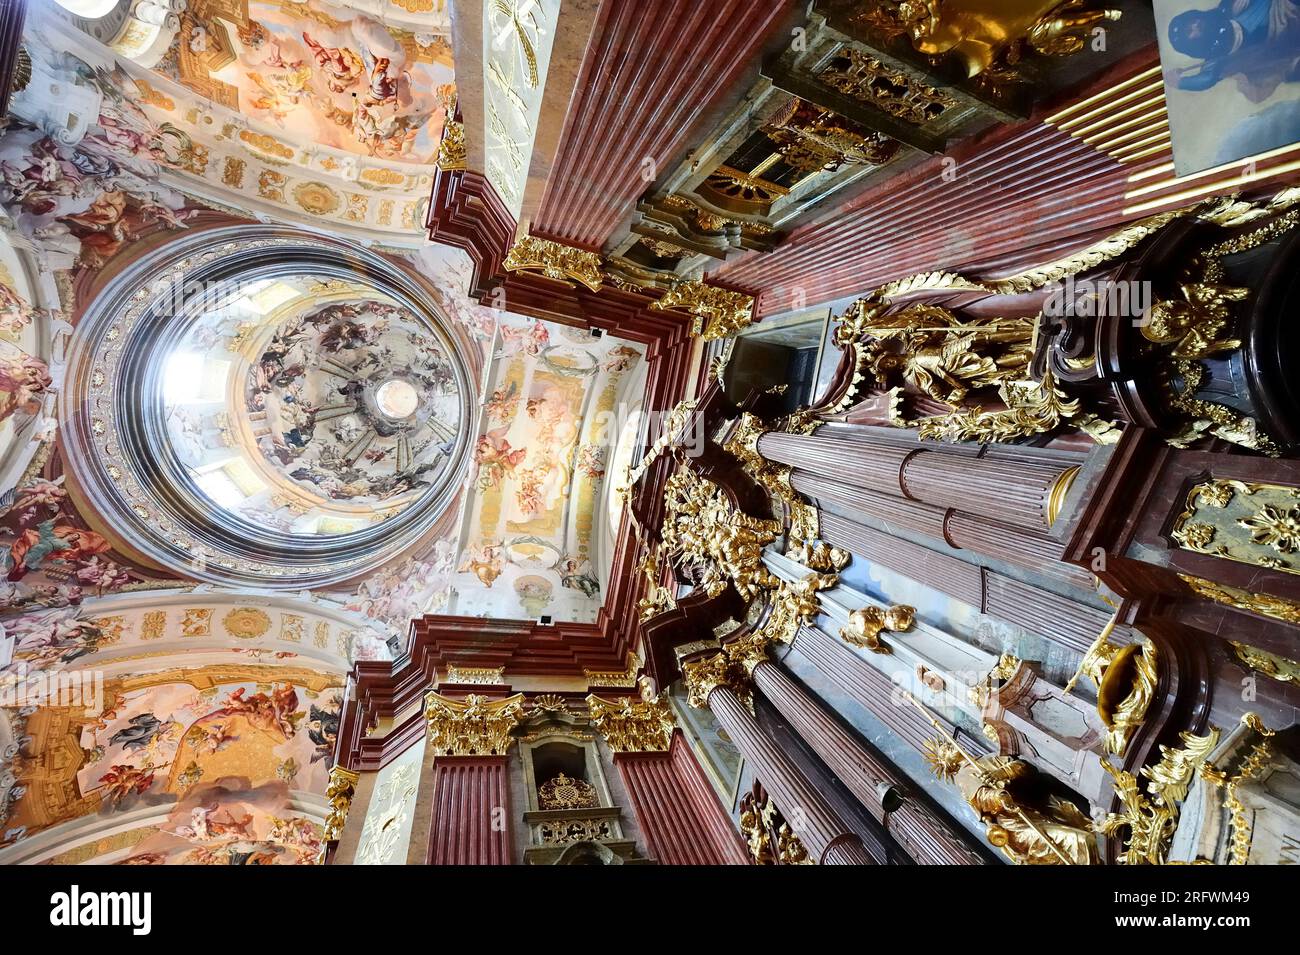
x: 926, y: 838
x: 471, y: 811
x: 678, y: 811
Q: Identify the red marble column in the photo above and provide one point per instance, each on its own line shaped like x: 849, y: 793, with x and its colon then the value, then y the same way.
x: 471, y: 811
x: 1007, y: 488
x: 926, y: 838
x: 677, y: 810
x: 828, y: 840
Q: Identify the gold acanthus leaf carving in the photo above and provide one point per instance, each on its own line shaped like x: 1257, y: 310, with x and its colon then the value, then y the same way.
x: 475, y: 726
x: 717, y: 312
x: 1270, y: 606
x: 633, y: 725
x: 338, y: 793
x: 1149, y: 819
x: 451, y: 150
x: 767, y: 835
x: 1032, y: 407
x: 1126, y: 684
x: 563, y: 263
x: 724, y: 545
x: 1252, y: 523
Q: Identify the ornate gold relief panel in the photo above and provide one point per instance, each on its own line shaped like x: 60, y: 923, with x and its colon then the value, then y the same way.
x: 1250, y: 523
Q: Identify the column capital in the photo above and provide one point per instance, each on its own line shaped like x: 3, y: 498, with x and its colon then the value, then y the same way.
x: 633, y: 726
x: 476, y: 726
x: 706, y: 674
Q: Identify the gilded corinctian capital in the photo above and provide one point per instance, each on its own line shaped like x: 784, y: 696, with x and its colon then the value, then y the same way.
x: 718, y: 312
x: 707, y: 674
x: 451, y: 151
x: 339, y: 792
x: 555, y: 261
x: 633, y: 725
x: 476, y: 727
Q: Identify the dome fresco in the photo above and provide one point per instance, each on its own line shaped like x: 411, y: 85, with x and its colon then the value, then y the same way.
x: 307, y: 409
x: 339, y: 407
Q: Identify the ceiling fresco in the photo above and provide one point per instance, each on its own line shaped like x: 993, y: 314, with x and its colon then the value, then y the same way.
x: 165, y: 740
x: 141, y: 142
x: 316, y: 406
x: 319, y: 73
x: 533, y: 533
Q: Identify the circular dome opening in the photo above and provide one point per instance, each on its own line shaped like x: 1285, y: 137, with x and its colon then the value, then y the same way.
x: 396, y: 398
x: 272, y: 406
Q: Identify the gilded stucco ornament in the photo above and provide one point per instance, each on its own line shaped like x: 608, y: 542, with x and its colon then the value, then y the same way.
x: 1282, y: 669
x: 564, y: 263
x: 338, y: 793
x: 717, y: 312
x: 774, y: 478
x: 633, y: 725
x: 1279, y: 608
x: 706, y: 674
x: 564, y: 792
x: 767, y: 835
x: 724, y: 545
x: 1255, y: 763
x: 451, y: 151
x: 658, y: 598
x: 867, y: 624
x: 476, y: 726
x: 1126, y: 684
x: 1149, y: 819
x: 1252, y: 523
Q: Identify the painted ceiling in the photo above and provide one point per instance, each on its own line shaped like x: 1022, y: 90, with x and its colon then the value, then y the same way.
x: 315, y: 406
x: 535, y: 531
x: 320, y: 73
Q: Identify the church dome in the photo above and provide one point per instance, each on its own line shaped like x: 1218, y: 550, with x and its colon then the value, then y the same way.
x: 262, y: 405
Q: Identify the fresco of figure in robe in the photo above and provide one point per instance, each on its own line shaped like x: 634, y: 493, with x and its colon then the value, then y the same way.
x: 1232, y: 78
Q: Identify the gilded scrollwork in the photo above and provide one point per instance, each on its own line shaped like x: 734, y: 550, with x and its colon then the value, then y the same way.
x: 717, y: 312
x: 1254, y: 765
x: 1279, y: 608
x: 1149, y: 818
x: 1282, y: 669
x: 564, y: 263
x: 1126, y: 684
x: 565, y: 792
x: 812, y: 140
x: 1252, y: 523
